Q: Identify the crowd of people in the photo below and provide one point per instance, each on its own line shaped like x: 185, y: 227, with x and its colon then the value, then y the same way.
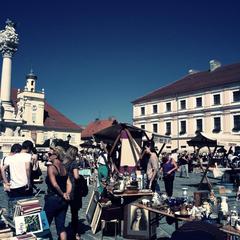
x: 21, y: 166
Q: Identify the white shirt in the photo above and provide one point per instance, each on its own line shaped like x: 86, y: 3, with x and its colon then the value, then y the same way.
x: 101, y: 160
x: 17, y: 167
x: 175, y: 156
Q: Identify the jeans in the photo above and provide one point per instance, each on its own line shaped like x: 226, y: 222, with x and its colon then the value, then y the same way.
x: 168, y: 182
x: 56, y: 207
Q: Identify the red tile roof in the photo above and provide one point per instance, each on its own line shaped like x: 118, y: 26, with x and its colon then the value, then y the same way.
x: 53, y: 118
x: 96, y: 126
x: 221, y: 76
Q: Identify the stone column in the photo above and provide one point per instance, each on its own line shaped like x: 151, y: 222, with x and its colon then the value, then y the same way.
x: 8, y: 46
x: 6, y: 78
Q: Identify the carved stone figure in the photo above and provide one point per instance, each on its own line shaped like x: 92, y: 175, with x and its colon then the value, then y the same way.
x: 20, y: 106
x: 17, y: 131
x: 8, y: 39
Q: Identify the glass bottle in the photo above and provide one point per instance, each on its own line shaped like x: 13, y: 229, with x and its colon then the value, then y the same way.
x: 224, y: 205
x: 233, y: 216
x: 185, y: 194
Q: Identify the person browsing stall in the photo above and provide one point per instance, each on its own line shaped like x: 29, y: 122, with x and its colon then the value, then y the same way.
x: 20, y: 171
x: 16, y: 148
x: 152, y: 167
x: 102, y: 162
x: 58, y: 192
x: 168, y: 168
x: 71, y: 165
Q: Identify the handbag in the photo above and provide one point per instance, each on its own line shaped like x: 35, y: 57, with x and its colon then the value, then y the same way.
x: 81, y: 186
x: 36, y: 173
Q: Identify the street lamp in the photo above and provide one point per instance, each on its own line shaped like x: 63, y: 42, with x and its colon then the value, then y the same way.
x: 69, y: 137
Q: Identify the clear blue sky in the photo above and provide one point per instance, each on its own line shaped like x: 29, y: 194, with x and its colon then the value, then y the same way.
x: 94, y: 57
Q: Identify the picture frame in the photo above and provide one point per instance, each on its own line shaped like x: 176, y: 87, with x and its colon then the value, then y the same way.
x: 139, y: 223
x: 96, y: 218
x: 92, y: 206
x: 28, y: 223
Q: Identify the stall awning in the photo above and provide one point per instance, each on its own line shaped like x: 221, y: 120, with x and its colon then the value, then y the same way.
x: 202, y: 141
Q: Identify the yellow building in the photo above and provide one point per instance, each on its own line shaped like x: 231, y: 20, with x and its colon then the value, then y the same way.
x: 207, y: 101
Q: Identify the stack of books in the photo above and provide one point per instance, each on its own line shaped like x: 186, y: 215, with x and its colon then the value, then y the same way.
x: 27, y: 206
x: 5, y: 231
x: 28, y: 236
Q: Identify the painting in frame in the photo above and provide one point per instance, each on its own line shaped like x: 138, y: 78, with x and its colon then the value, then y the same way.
x: 139, y: 223
x: 96, y: 218
x: 92, y: 206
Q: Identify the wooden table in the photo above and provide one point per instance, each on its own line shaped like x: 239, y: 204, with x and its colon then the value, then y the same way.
x: 164, y: 213
x: 227, y: 228
x: 133, y: 193
x: 230, y: 230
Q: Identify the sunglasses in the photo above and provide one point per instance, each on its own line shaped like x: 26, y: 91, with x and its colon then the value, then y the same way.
x: 51, y: 154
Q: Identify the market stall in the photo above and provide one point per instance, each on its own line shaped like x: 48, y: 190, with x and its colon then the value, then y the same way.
x: 129, y: 184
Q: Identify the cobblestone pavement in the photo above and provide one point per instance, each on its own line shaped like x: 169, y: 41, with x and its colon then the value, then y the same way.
x: 164, y: 230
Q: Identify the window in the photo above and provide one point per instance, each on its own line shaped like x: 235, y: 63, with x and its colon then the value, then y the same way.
x: 33, y: 117
x: 155, y: 108
x: 217, y: 125
x: 168, y: 128
x: 32, y: 82
x: 198, y: 102
x: 182, y: 127
x: 45, y: 137
x: 216, y: 99
x: 142, y: 126
x: 142, y: 110
x: 168, y: 107
x: 199, y: 125
x: 155, y: 127
x: 183, y: 104
x: 236, y: 123
x: 236, y: 96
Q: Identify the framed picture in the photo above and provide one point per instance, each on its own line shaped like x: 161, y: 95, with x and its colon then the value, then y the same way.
x: 28, y: 223
x: 92, y: 206
x: 96, y: 218
x: 139, y: 223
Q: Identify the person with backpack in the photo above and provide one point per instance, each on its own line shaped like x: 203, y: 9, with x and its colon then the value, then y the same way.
x: 72, y: 168
x: 19, y: 185
x: 16, y: 148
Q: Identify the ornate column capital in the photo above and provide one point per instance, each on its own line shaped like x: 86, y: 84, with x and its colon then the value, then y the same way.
x: 8, y: 40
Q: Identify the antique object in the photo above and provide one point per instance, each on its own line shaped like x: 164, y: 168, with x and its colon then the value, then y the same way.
x: 224, y: 205
x: 199, y: 196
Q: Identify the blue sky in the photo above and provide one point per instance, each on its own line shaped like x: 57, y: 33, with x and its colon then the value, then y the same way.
x: 94, y: 57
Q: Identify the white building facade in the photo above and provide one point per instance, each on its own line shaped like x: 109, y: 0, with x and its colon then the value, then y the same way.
x: 24, y: 114
x: 206, y: 101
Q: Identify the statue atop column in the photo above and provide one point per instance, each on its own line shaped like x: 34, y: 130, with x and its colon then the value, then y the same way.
x: 8, y: 39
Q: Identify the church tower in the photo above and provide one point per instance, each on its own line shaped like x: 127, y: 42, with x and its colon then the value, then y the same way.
x: 31, y: 81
